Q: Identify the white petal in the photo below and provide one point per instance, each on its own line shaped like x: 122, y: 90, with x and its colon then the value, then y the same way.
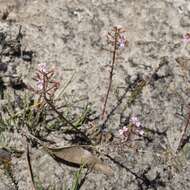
x: 141, y: 132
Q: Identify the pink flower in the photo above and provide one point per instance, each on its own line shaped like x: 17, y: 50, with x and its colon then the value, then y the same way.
x: 122, y: 41
x: 186, y: 38
x: 39, y: 84
x: 135, y: 121
x: 43, y: 67
x: 123, y: 132
x: 141, y: 132
x: 135, y: 127
x: 118, y: 27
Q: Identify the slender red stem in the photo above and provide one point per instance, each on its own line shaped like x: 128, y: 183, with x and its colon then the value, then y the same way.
x: 111, y: 73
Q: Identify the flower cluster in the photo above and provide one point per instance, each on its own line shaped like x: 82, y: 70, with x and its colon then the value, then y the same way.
x: 42, y: 67
x: 117, y: 35
x: 134, y: 127
x: 124, y: 131
x: 42, y: 70
x: 45, y: 85
x: 135, y: 121
x: 186, y: 38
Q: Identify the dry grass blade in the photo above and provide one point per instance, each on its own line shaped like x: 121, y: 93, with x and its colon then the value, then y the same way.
x: 29, y: 166
x: 78, y: 155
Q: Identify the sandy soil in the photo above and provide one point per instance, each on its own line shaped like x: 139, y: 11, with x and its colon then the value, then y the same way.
x: 69, y: 35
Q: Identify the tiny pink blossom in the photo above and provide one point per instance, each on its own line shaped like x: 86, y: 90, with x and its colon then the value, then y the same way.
x: 186, y: 38
x: 141, y: 132
x: 123, y: 132
x: 135, y: 121
x: 118, y: 26
x: 42, y: 67
x: 39, y: 84
x: 122, y: 41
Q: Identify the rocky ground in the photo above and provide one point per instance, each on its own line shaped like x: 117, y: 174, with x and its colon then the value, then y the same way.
x: 69, y: 36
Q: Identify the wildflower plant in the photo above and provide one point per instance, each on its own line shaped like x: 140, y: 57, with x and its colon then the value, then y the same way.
x: 46, y: 87
x: 117, y: 39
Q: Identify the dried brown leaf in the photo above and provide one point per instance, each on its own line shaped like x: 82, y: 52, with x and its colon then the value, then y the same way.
x: 5, y: 156
x: 78, y: 155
